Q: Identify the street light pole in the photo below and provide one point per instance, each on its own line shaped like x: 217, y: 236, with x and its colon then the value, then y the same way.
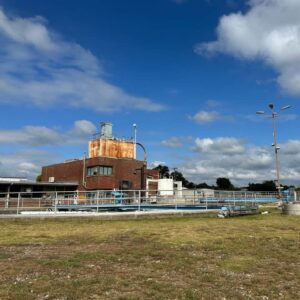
x: 276, y: 149
x: 274, y: 115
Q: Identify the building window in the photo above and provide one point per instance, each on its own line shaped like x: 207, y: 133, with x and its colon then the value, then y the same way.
x: 99, y: 170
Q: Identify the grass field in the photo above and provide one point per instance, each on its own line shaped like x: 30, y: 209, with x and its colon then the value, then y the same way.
x: 253, y: 257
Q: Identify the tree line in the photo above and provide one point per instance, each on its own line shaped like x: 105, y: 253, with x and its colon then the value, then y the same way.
x: 222, y: 183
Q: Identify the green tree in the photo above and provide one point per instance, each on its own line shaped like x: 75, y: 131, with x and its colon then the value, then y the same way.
x: 266, y: 186
x: 190, y: 185
x: 38, y: 178
x: 177, y: 176
x: 164, y: 171
x: 203, y: 185
x: 224, y: 184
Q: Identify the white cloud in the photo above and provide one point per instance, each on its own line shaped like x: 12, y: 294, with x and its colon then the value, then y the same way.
x: 205, y: 116
x: 81, y: 132
x: 291, y: 147
x: 28, y: 163
x: 30, y: 135
x: 222, y: 145
x: 177, y: 141
x: 268, y: 31
x: 31, y: 31
x: 173, y: 142
x: 39, y: 67
x: 84, y: 127
x: 156, y: 163
x: 25, y: 164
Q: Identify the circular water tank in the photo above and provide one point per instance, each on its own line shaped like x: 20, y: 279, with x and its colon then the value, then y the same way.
x: 291, y: 208
x: 106, y: 130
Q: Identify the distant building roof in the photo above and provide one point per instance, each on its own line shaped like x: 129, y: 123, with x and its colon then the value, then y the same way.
x: 42, y: 183
x: 12, y: 179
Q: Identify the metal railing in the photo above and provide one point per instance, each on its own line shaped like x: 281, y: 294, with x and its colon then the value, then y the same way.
x: 99, y: 200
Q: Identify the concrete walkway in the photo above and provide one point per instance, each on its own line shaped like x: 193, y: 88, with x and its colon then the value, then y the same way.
x: 105, y: 215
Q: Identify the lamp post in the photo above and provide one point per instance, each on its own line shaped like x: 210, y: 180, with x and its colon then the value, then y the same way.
x: 273, y: 116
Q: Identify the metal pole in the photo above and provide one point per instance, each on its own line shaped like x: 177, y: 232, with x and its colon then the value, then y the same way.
x: 139, y: 200
x: 276, y: 154
x: 83, y: 171
x: 55, y: 202
x: 19, y: 196
x: 276, y: 148
x: 8, y: 196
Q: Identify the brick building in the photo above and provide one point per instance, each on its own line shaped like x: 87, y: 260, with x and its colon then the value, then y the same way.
x: 111, y: 164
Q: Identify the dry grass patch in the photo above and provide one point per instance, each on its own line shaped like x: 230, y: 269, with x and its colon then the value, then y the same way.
x: 255, y: 257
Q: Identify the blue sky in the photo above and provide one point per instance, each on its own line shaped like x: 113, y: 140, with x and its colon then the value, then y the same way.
x: 189, y: 73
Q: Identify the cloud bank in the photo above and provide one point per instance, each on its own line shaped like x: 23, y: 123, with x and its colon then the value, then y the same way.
x: 81, y: 132
x: 25, y: 163
x: 31, y: 141
x: 241, y: 162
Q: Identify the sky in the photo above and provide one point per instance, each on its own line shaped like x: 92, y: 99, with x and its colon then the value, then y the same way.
x: 190, y: 73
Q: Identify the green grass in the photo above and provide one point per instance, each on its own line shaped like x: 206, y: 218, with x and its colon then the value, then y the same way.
x: 253, y: 257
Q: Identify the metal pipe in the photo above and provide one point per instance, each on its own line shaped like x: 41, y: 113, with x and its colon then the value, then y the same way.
x: 144, y: 149
x: 135, y: 130
x: 19, y: 196
x: 83, y: 172
x: 8, y: 195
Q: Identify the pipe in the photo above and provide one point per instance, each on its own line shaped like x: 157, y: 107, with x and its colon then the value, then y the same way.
x: 145, y: 152
x: 83, y: 172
